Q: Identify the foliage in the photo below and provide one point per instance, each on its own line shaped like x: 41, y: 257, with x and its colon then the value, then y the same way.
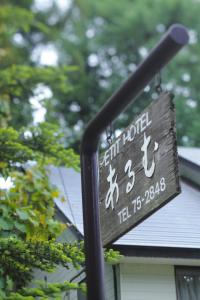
x: 41, y: 143
x: 108, y: 41
x: 27, y: 226
x: 28, y: 230
x: 15, y: 19
x: 22, y: 211
x: 19, y: 258
x: 46, y: 291
x: 48, y: 140
x: 18, y: 83
x: 12, y: 150
x: 112, y: 256
x: 20, y: 78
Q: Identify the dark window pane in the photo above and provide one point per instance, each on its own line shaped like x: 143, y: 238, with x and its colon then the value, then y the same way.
x: 188, y: 283
x: 81, y: 295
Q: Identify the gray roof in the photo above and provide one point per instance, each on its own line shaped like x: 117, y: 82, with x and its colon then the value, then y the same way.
x: 68, y: 183
x: 177, y: 224
x: 190, y: 153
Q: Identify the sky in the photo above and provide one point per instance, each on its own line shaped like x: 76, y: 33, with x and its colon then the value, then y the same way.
x: 45, y: 4
x: 45, y: 55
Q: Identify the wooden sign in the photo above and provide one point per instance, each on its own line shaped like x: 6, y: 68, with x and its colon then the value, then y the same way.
x: 139, y: 172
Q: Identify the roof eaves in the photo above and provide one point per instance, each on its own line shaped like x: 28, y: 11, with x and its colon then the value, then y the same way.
x: 190, y: 171
x: 68, y: 222
x: 154, y: 251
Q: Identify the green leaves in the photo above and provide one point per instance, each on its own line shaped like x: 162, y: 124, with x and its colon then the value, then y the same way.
x: 112, y: 257
x: 46, y: 140
x: 23, y: 214
x: 20, y: 81
x: 42, y: 144
x: 12, y: 150
x: 28, y: 207
x: 6, y: 224
x: 29, y: 204
x: 14, y: 18
x: 28, y: 229
x: 108, y: 42
x: 21, y: 227
x: 18, y: 258
x: 45, y: 291
x: 27, y: 226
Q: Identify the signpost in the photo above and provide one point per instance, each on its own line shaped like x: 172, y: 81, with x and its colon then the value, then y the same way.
x: 174, y: 39
x: 139, y: 171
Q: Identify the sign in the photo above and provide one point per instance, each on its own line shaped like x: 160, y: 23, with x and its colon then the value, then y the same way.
x: 139, y: 172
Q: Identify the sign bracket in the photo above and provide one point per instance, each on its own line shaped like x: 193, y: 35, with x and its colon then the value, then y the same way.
x: 174, y: 39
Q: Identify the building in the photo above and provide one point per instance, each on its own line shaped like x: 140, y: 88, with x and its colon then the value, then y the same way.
x: 160, y: 256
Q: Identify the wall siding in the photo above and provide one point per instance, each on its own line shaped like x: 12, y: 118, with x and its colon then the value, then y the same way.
x: 147, y: 282
x: 109, y: 282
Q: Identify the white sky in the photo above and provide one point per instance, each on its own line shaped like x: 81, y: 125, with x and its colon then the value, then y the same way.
x: 45, y: 55
x: 41, y: 5
x: 42, y: 92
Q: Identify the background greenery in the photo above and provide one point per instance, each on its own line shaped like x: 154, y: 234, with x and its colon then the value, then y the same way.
x: 105, y: 41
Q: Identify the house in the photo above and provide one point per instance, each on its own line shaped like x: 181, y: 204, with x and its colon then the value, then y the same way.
x: 161, y: 256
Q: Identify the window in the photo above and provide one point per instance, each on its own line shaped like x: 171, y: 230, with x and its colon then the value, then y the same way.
x: 188, y: 283
x: 81, y: 295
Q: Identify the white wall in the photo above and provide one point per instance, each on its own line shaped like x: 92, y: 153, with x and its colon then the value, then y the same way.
x: 147, y: 282
x: 109, y: 282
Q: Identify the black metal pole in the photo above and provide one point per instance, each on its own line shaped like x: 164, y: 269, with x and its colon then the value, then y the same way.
x: 175, y: 38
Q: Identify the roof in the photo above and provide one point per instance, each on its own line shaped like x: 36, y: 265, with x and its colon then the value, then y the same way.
x: 191, y: 154
x: 177, y: 224
x: 68, y: 182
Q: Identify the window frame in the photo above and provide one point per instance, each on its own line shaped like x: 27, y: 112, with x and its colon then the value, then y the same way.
x: 185, y: 270
x: 80, y: 295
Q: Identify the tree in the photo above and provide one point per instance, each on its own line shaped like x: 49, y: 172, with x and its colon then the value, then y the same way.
x: 107, y: 40
x: 28, y: 230
x: 27, y: 226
